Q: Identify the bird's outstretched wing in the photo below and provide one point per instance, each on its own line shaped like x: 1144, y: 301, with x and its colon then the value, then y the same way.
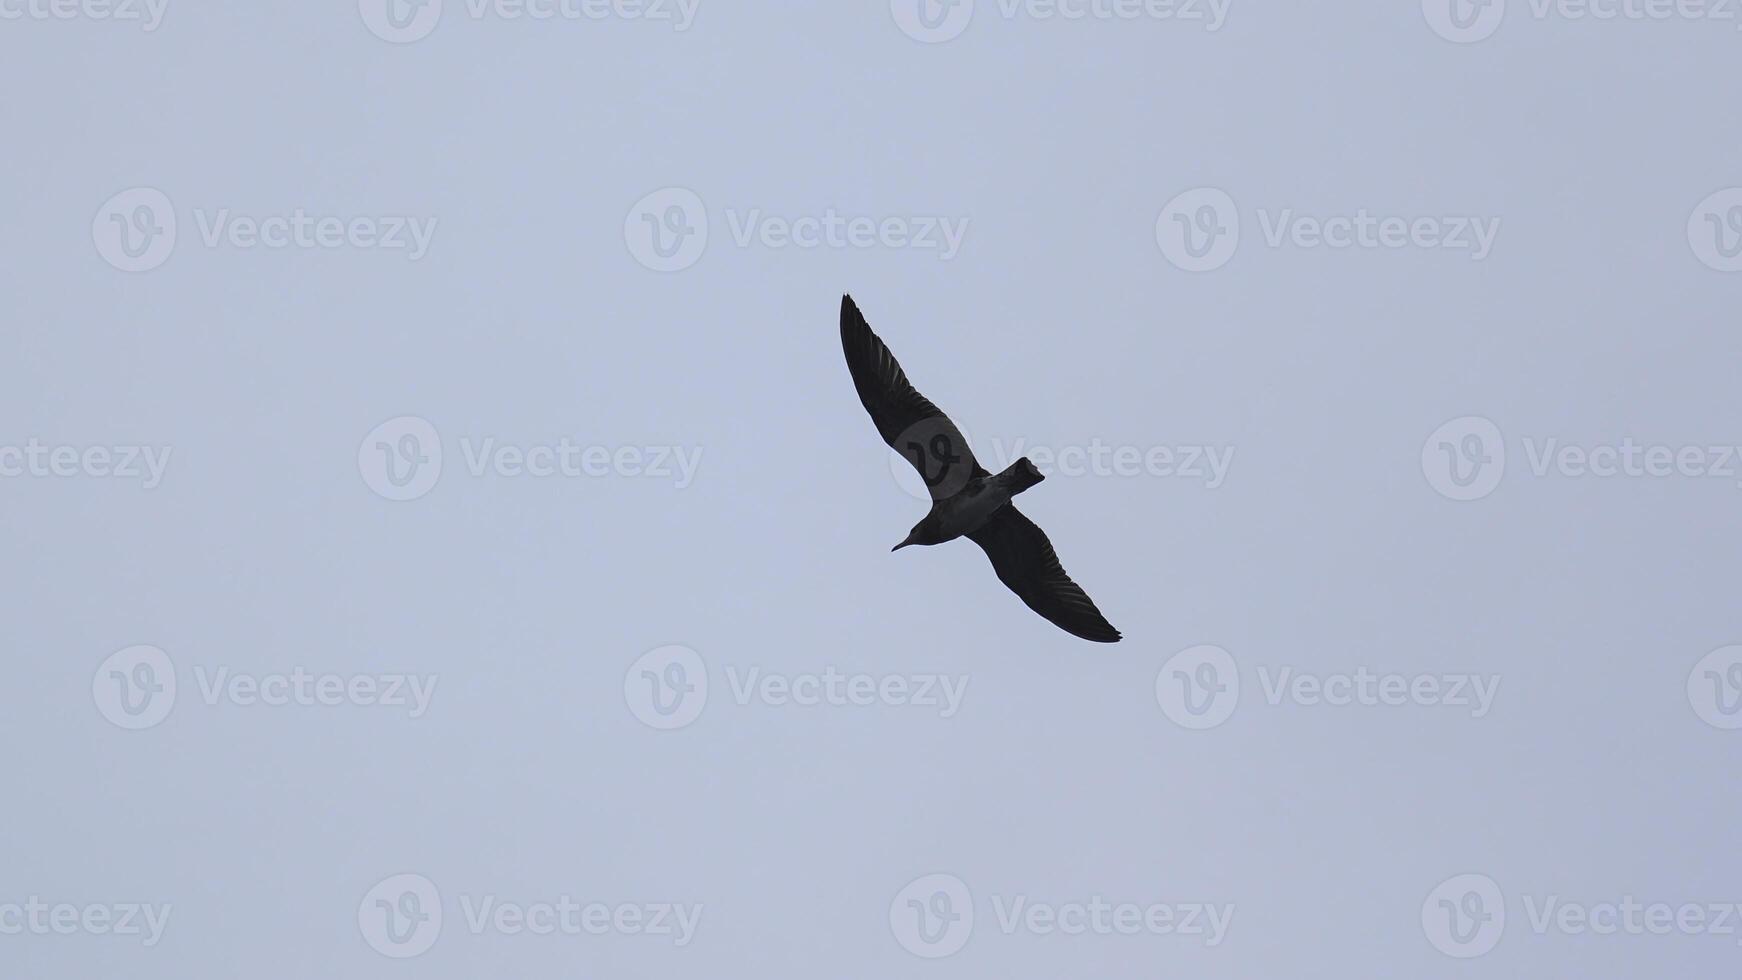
x: 906, y: 419
x: 1025, y: 561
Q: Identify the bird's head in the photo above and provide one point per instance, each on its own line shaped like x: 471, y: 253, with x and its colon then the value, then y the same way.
x: 921, y: 534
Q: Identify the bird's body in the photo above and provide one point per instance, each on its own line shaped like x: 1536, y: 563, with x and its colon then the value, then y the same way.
x: 969, y: 509
x: 967, y: 501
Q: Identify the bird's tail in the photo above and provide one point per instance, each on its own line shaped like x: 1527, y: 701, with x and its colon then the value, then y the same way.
x: 1021, y: 475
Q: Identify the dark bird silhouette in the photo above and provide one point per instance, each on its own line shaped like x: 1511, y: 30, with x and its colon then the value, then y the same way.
x: 966, y: 500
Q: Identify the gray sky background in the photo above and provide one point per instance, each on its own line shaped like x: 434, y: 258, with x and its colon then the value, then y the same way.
x: 1601, y: 152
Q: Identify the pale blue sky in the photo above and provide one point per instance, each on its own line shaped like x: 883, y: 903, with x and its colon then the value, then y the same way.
x: 522, y: 150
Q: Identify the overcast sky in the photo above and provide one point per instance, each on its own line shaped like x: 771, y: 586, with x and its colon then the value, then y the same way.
x: 445, y: 540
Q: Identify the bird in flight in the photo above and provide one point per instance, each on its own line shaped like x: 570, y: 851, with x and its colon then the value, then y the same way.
x: 966, y: 501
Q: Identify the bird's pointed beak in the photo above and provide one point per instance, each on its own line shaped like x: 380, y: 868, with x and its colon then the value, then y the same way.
x: 905, y: 542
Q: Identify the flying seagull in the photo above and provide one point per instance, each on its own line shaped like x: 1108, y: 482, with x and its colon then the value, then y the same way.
x: 965, y: 499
